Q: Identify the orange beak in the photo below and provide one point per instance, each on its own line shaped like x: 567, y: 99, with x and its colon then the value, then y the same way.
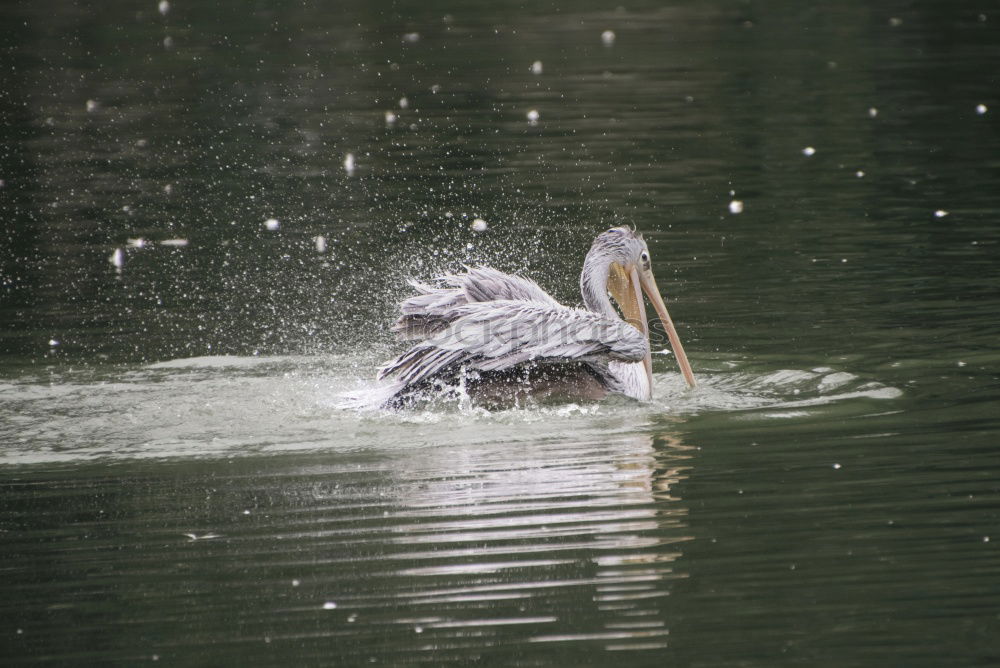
x: 648, y: 283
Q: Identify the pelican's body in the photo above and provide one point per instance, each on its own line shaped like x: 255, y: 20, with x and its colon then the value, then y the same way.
x: 500, y: 338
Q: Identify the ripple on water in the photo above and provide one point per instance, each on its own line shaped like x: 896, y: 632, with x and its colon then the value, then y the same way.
x: 531, y: 543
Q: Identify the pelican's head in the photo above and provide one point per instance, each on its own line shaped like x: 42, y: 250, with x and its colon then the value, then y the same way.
x: 629, y: 275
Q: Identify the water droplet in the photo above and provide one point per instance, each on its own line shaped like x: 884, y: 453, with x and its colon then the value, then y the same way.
x: 836, y: 466
x: 53, y: 343
x: 736, y: 206
x: 176, y: 243
x: 895, y: 22
x: 93, y: 105
x: 808, y: 150
x: 608, y: 37
x: 403, y: 103
x: 390, y: 118
x: 536, y: 67
x: 479, y: 225
x: 272, y: 224
x: 873, y: 112
x: 349, y: 165
x: 411, y: 37
x: 533, y: 116
x: 329, y: 605
x: 164, y: 7
x: 295, y: 583
x: 940, y: 213
x: 981, y: 109
x: 320, y: 242
x: 860, y: 174
x: 117, y: 258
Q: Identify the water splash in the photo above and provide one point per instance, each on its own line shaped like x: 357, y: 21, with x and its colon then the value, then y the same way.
x: 220, y: 406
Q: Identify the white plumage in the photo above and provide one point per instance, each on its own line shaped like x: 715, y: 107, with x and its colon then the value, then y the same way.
x: 483, y: 329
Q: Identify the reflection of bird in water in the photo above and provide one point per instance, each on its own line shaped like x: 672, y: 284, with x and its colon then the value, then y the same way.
x: 501, y: 338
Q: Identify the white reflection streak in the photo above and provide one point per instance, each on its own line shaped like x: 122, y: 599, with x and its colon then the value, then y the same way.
x: 604, y: 499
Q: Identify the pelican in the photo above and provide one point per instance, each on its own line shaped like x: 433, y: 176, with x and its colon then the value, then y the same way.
x: 500, y: 338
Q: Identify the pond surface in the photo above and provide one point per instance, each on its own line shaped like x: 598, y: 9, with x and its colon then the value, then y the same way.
x: 209, y: 215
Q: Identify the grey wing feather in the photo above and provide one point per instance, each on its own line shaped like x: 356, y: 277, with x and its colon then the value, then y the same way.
x: 483, y: 284
x: 424, y: 314
x: 499, y: 335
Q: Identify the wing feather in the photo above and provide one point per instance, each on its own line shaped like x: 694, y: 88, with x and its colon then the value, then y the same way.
x: 501, y: 334
x: 425, y: 313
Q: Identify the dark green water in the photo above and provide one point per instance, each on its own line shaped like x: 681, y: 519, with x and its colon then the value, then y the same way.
x: 179, y: 482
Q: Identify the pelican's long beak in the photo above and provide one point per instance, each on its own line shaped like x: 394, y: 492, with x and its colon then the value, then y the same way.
x: 645, y: 279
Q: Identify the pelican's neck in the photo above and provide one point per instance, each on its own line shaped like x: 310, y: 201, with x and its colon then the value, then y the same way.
x: 634, y: 378
x: 594, y: 284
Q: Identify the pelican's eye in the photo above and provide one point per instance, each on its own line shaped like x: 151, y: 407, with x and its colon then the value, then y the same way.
x: 645, y: 259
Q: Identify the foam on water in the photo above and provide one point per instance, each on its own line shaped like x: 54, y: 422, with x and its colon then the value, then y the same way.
x: 234, y: 406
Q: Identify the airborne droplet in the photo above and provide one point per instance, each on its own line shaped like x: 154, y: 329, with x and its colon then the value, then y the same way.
x: 117, y: 259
